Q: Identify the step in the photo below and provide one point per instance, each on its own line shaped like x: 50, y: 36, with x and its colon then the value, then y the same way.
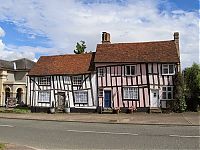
x: 155, y: 110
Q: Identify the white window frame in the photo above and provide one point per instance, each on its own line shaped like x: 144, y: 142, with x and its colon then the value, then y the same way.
x: 44, y: 96
x: 101, y: 72
x: 166, y: 91
x: 167, y: 66
x: 44, y: 80
x: 81, y: 97
x: 77, y: 80
x: 130, y: 70
x: 131, y: 93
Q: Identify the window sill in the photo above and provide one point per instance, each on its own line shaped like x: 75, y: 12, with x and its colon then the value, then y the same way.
x: 168, y: 74
x: 44, y: 102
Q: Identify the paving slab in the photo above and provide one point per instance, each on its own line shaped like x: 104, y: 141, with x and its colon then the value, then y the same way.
x: 188, y: 118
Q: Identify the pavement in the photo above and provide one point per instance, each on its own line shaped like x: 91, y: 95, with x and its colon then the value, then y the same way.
x: 186, y: 118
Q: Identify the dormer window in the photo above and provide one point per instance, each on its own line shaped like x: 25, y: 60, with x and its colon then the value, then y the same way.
x: 168, y: 69
x: 130, y: 70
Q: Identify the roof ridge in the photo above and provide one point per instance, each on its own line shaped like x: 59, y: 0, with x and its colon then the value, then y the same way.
x: 137, y: 42
x: 70, y: 54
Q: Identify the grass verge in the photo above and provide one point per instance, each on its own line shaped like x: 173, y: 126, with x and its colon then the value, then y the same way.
x: 2, y: 146
x: 18, y: 110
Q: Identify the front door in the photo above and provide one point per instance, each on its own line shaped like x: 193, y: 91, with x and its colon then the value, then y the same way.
x: 61, y: 101
x: 154, y: 98
x: 107, y: 99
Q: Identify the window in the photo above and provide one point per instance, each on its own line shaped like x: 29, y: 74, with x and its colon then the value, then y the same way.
x: 81, y: 97
x: 130, y: 93
x: 77, y: 80
x: 168, y: 69
x: 44, y: 96
x: 130, y: 70
x: 100, y: 92
x: 100, y: 72
x: 167, y: 92
x: 44, y: 80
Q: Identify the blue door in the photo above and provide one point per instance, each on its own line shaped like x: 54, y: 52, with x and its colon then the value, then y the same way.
x: 107, y: 99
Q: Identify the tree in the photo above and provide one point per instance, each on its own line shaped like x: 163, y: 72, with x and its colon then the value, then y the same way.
x: 192, y: 81
x: 179, y: 96
x: 80, y: 47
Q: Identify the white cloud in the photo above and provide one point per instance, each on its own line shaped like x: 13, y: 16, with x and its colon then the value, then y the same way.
x: 66, y: 22
x: 2, y: 32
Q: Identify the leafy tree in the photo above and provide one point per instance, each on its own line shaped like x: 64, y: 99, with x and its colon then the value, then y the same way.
x: 192, y: 81
x: 80, y: 47
x: 179, y: 96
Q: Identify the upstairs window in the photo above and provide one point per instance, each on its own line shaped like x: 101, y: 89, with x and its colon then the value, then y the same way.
x: 44, y: 80
x: 167, y: 92
x: 168, y: 69
x: 130, y: 70
x: 77, y: 80
x: 100, y: 72
x: 130, y: 93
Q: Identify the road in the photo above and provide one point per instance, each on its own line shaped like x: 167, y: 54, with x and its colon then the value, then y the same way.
x: 73, y: 135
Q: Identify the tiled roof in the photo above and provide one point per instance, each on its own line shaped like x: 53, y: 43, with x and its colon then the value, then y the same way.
x: 6, y: 64
x: 21, y: 64
x: 70, y: 64
x: 158, y: 51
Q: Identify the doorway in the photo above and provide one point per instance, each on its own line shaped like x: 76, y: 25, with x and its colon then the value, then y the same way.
x: 107, y: 99
x: 154, y: 98
x: 19, y: 95
x: 7, y: 95
x: 61, y: 101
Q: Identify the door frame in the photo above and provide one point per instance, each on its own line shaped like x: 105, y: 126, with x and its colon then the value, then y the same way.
x: 151, y: 97
x: 61, y: 94
x: 111, y: 102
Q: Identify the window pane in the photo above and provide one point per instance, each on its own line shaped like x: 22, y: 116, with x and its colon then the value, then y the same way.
x: 132, y: 70
x: 169, y: 95
x: 171, y: 69
x: 165, y: 70
x: 164, y: 88
x: 128, y: 71
x: 169, y: 88
x: 164, y: 95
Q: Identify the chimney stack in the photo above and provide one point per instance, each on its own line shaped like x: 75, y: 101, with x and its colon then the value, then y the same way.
x: 105, y: 38
x: 176, y: 41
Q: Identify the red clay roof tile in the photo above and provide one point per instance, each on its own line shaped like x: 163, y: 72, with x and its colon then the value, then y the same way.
x: 158, y: 51
x: 70, y: 64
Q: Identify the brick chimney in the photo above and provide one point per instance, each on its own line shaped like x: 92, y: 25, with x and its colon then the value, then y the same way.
x: 176, y: 41
x: 105, y: 38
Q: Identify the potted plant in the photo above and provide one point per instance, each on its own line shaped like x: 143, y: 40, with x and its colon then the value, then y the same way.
x: 67, y: 107
x: 52, y: 108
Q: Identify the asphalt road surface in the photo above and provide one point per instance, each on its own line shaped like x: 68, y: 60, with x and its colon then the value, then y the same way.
x: 73, y: 135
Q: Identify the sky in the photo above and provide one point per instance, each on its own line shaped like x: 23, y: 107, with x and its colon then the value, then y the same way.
x: 33, y: 28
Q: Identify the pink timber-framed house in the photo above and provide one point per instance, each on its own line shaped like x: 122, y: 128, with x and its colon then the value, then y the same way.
x: 136, y: 75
